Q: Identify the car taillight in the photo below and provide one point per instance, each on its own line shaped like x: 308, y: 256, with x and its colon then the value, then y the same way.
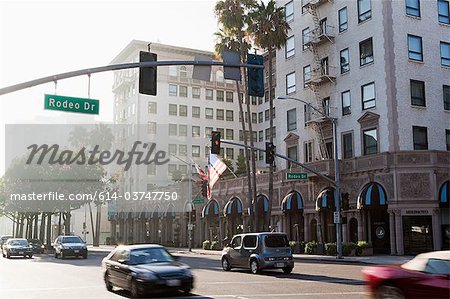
x: 269, y: 259
x: 288, y: 258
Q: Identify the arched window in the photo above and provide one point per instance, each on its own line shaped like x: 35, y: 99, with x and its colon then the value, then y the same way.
x: 183, y: 72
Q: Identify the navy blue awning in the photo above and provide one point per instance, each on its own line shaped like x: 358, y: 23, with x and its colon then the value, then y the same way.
x: 262, y: 204
x: 292, y: 202
x: 444, y: 194
x: 233, y: 206
x: 211, y: 208
x: 170, y: 211
x: 372, y: 195
x: 155, y: 212
x: 325, y: 200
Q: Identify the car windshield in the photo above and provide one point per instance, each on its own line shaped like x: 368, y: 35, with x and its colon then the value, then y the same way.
x: 34, y: 241
x: 149, y: 256
x: 71, y: 240
x: 276, y: 241
x: 18, y: 243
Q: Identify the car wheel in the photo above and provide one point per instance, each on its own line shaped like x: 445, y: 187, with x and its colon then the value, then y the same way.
x: 8, y: 255
x: 61, y: 255
x: 187, y: 292
x: 108, y: 284
x: 287, y: 270
x: 134, y: 290
x: 56, y: 255
x: 30, y: 256
x: 254, y: 266
x: 226, y: 264
x: 387, y: 291
x: 85, y: 256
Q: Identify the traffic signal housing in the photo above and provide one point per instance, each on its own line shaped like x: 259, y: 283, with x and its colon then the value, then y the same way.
x: 147, y: 75
x: 255, y: 76
x: 205, y: 188
x: 215, y: 142
x: 270, y: 153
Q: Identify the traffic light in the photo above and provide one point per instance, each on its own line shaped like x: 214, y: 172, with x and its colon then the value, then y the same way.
x: 270, y: 153
x: 255, y: 76
x: 215, y: 142
x: 147, y: 75
x: 205, y: 188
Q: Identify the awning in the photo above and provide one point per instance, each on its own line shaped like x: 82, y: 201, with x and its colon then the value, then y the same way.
x: 261, y: 206
x: 143, y: 214
x: 325, y: 200
x: 292, y: 202
x: 112, y: 216
x: 444, y: 195
x: 233, y: 207
x: 211, y: 208
x: 170, y: 211
x: 371, y: 196
x: 155, y: 213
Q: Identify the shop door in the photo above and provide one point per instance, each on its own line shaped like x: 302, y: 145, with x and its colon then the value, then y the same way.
x: 380, y: 231
x: 417, y: 234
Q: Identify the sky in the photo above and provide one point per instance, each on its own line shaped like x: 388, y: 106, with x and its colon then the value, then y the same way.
x: 42, y: 38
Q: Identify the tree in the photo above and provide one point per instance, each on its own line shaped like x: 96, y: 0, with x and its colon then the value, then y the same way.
x: 232, y: 17
x: 240, y: 165
x: 228, y: 172
x: 269, y: 31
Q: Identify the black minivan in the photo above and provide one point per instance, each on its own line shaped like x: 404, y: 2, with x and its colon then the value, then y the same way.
x: 258, y: 251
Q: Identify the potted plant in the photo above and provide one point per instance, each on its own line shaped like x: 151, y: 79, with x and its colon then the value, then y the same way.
x: 349, y: 249
x: 206, y: 245
x: 364, y: 248
x: 292, y: 245
x: 330, y: 249
x: 311, y: 247
x: 214, y: 245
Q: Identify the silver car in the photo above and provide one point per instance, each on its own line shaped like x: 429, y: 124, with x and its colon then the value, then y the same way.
x: 258, y: 251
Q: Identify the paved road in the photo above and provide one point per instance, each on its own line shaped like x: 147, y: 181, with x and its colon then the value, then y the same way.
x: 45, y: 277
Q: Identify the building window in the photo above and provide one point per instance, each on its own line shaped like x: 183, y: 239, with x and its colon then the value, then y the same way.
x: 447, y: 138
x: 292, y: 119
x: 290, y: 83
x: 347, y: 144
x: 172, y: 130
x: 368, y: 95
x: 221, y: 131
x: 195, y: 131
x: 292, y: 153
x: 173, y: 109
x: 370, y: 142
x: 152, y: 107
x: 266, y: 115
x: 290, y: 47
x: 183, y: 91
x: 413, y: 8
x: 443, y: 12
x: 183, y: 110
x: 196, y: 92
x: 219, y: 95
x: 151, y: 127
x: 306, y: 75
x: 260, y: 117
x: 209, y: 113
x: 195, y: 111
x: 230, y: 153
x: 209, y: 94
x: 182, y: 169
x: 172, y: 149
x: 366, y: 52
x: 173, y: 71
x: 307, y: 113
x: 208, y: 132
x: 445, y: 54
x: 446, y: 96
x: 172, y: 168
x: 151, y: 169
x: 417, y: 93
x: 305, y: 38
x: 182, y: 129
x: 229, y: 134
x: 261, y: 136
x: 346, y: 103
x: 420, y: 138
x: 229, y: 114
x: 289, y: 11
x: 364, y: 10
x: 343, y: 19
x: 182, y: 150
x: 254, y: 118
x: 229, y: 95
x: 254, y: 100
x: 173, y: 90
x: 219, y: 114
x: 308, y: 152
x: 415, y: 47
x: 326, y: 106
x: 183, y: 72
x: 195, y: 151
x: 345, y: 61
x: 304, y: 6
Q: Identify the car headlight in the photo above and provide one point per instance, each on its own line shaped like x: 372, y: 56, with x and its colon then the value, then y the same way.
x: 42, y: 246
x: 146, y: 276
x: 187, y: 272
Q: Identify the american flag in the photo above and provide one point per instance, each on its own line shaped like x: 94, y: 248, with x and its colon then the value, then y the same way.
x: 200, y: 171
x: 215, y: 170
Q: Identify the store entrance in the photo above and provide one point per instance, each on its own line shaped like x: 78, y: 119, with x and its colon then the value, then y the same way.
x: 417, y: 234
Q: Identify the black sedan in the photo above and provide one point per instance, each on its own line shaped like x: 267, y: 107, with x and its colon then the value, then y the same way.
x: 17, y: 247
x: 146, y: 269
x: 37, y: 245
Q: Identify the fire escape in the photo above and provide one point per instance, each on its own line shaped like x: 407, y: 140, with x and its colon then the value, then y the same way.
x: 321, y: 73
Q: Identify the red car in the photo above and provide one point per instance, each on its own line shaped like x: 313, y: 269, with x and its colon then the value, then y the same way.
x: 425, y: 276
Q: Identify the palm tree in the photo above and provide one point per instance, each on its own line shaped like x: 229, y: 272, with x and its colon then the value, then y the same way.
x: 269, y: 31
x: 232, y: 16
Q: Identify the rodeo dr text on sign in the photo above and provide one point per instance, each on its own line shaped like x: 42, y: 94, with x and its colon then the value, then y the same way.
x: 70, y: 104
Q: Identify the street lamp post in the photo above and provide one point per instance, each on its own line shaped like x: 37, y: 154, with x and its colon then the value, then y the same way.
x: 336, y: 173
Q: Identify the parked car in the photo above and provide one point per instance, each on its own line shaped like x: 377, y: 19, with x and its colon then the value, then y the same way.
x: 3, y: 240
x: 70, y: 246
x: 152, y: 269
x: 425, y: 276
x: 258, y: 251
x: 17, y: 247
x: 37, y: 245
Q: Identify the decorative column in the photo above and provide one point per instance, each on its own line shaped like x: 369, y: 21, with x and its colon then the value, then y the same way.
x: 436, y: 229
x: 392, y: 232
x: 306, y: 227
x: 399, y: 232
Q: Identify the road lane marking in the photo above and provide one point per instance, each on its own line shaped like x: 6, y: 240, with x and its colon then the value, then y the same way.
x: 286, y: 295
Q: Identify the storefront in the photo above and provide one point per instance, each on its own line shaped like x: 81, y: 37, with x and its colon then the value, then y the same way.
x: 292, y: 207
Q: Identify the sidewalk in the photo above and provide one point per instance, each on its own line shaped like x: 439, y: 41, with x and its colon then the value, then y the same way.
x: 375, y: 259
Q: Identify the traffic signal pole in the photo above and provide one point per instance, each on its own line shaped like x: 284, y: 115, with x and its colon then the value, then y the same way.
x: 114, y: 67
